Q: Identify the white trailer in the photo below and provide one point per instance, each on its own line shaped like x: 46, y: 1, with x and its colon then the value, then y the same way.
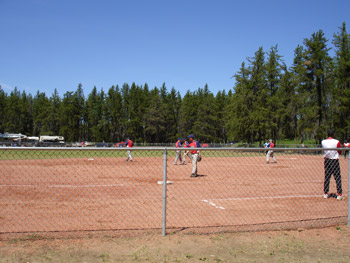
x: 47, y: 138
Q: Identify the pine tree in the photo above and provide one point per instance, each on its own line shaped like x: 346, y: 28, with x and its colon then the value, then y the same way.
x: 114, y: 105
x: 305, y: 110
x: 287, y: 112
x: 54, y: 113
x: 72, y: 110
x: 3, y: 98
x: 12, y: 116
x: 67, y: 117
x: 125, y: 110
x: 41, y: 114
x: 188, y: 113
x: 239, y: 107
x: 221, y: 117
x: 274, y: 99
x: 260, y: 92
x: 341, y: 99
x: 94, y: 115
x: 319, y: 80
x: 155, y: 120
x: 172, y: 105
x: 205, y: 123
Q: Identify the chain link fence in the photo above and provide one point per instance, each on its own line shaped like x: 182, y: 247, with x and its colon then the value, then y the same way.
x: 82, y: 189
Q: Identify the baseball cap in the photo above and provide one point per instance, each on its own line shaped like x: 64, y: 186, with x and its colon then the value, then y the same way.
x: 178, y: 138
x: 191, y: 136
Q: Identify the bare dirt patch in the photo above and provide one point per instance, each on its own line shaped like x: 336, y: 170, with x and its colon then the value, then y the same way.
x: 315, y: 245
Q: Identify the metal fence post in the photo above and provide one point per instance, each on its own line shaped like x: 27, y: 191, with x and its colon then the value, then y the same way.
x: 164, y: 191
x: 348, y: 191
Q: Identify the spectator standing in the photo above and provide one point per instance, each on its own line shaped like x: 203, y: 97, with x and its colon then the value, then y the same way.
x: 331, y: 164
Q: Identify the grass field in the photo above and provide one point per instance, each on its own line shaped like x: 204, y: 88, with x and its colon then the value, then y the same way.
x: 65, y: 153
x: 59, y: 153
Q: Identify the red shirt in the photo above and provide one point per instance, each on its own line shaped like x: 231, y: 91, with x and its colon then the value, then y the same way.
x: 272, y: 145
x: 178, y: 144
x: 129, y: 143
x: 194, y: 144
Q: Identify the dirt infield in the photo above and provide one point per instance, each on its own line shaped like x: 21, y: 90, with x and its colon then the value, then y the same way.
x: 232, y: 193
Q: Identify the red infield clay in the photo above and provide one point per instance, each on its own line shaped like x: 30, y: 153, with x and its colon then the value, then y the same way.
x: 88, y: 194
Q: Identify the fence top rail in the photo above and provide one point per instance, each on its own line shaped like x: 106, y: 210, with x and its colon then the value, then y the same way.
x: 240, y: 149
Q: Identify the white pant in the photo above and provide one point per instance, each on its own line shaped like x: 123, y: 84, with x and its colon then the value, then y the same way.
x: 178, y: 156
x: 194, y: 158
x: 129, y: 156
x: 270, y: 154
x: 184, y: 158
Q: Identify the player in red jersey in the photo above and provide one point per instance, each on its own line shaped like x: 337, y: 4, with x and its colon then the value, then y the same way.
x: 269, y: 154
x: 129, y: 144
x: 194, y: 154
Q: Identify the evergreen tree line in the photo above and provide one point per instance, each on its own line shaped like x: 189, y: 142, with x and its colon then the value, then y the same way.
x: 268, y: 100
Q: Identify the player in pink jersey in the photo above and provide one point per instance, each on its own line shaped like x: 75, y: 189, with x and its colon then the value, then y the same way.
x: 331, y: 164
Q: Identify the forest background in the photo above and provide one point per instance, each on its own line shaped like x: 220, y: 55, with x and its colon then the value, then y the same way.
x: 269, y: 99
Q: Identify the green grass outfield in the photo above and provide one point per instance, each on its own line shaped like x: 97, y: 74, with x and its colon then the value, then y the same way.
x: 59, y: 153
x: 30, y: 154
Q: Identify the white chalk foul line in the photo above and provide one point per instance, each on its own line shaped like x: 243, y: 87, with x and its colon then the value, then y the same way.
x: 261, y: 198
x: 213, y: 204
x: 62, y: 186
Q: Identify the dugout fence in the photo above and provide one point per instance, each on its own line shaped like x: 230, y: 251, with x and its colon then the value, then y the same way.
x: 79, y: 190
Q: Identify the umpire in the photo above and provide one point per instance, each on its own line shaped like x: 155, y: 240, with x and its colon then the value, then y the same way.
x: 331, y: 164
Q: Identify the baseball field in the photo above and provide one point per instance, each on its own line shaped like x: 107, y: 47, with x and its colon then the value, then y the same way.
x: 86, y: 191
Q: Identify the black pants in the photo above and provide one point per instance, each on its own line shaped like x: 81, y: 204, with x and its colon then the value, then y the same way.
x: 331, y: 166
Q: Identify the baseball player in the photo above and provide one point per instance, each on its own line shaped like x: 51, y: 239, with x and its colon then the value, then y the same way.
x: 266, y: 146
x: 346, y: 145
x: 195, y: 155
x: 269, y: 154
x: 186, y: 145
x: 178, y: 151
x: 129, y: 144
x: 331, y: 164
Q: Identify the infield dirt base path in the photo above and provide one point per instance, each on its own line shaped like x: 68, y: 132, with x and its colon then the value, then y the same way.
x: 234, y: 193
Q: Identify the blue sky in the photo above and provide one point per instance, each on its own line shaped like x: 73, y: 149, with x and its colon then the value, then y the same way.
x: 47, y: 44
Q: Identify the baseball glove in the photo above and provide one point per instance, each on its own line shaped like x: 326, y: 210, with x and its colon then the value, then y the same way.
x: 199, y: 158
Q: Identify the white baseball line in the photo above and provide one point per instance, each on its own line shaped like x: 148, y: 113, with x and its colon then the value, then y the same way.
x: 209, y: 201
x: 62, y: 186
x: 261, y: 197
x: 213, y: 204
